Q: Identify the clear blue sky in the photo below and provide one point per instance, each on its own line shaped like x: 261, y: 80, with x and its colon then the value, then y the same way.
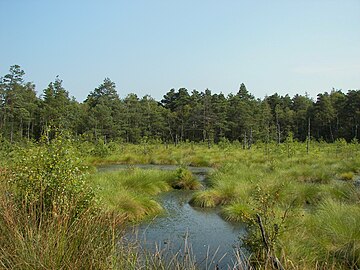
x: 149, y: 47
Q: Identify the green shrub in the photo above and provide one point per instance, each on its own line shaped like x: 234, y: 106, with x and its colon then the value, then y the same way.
x: 101, y: 149
x: 48, y: 178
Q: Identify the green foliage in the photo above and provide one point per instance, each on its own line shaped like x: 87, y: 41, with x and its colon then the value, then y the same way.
x: 265, y: 212
x: 131, y: 192
x: 101, y: 149
x: 329, y: 238
x: 199, y: 116
x: 30, y: 242
x: 288, y: 193
x: 185, y: 179
x: 48, y: 178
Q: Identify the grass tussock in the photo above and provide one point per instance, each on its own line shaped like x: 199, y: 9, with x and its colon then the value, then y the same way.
x: 347, y: 176
x: 206, y: 199
x: 238, y: 212
x: 329, y: 237
x: 132, y: 192
x: 185, y: 180
x: 309, y: 216
x: 29, y: 242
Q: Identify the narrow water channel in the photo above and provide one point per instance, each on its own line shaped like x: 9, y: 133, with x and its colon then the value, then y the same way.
x: 210, y: 239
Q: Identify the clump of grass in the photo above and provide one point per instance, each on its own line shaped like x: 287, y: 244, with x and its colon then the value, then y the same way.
x: 150, y: 182
x: 330, y: 237
x: 347, y: 176
x: 207, y: 199
x: 229, y: 184
x: 311, y: 194
x: 200, y: 161
x: 130, y: 191
x: 221, y: 193
x: 185, y: 180
x: 238, y: 212
x: 229, y: 193
x: 134, y: 207
x: 60, y: 242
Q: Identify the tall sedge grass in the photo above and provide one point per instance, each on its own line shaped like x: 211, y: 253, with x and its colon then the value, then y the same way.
x: 28, y: 241
x: 131, y: 192
x: 308, y: 203
x: 184, y: 179
x: 338, y: 225
x: 329, y: 238
x: 93, y: 240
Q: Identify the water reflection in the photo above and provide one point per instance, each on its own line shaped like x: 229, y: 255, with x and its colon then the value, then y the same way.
x: 210, y: 239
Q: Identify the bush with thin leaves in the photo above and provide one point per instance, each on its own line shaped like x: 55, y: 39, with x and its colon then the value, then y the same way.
x: 48, y: 178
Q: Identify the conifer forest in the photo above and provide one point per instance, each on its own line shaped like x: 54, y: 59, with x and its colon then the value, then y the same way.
x: 181, y: 116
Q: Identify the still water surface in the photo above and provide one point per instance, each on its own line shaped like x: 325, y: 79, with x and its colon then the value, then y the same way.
x: 212, y: 240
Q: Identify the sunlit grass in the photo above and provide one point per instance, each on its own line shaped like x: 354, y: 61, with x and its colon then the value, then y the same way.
x: 329, y: 238
x: 132, y: 192
x: 298, y: 191
x: 310, y: 198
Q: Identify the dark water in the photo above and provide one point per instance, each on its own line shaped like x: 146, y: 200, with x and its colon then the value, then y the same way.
x: 203, y: 232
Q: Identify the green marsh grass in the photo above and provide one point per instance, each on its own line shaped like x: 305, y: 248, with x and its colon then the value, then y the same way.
x: 308, y: 203
x: 301, y: 196
x: 206, y: 199
x: 185, y: 153
x: 347, y: 176
x: 132, y: 192
x: 329, y: 238
x: 35, y: 237
x: 185, y: 180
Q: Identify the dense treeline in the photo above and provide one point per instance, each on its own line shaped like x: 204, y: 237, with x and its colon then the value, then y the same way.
x: 181, y: 115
